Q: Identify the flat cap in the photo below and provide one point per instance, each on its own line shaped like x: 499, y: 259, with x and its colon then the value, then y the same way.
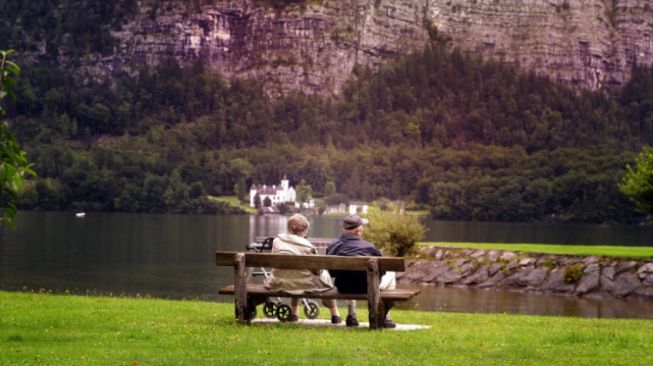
x: 353, y: 221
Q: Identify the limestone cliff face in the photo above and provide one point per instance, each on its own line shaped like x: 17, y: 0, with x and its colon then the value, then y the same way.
x: 314, y: 47
x: 590, y: 43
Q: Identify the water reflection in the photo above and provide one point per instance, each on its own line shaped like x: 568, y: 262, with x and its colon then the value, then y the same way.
x: 469, y: 300
x: 271, y: 225
x: 172, y: 256
x: 547, y: 233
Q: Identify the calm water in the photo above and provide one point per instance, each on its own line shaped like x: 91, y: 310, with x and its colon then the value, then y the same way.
x: 171, y: 256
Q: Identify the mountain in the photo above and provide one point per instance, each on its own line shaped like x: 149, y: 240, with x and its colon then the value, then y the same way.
x: 148, y: 106
x: 313, y: 46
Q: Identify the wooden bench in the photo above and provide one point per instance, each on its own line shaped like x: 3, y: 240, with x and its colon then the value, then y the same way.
x: 248, y: 296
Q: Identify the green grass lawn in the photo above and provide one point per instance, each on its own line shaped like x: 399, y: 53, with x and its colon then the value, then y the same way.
x: 234, y: 201
x: 598, y: 250
x: 43, y: 329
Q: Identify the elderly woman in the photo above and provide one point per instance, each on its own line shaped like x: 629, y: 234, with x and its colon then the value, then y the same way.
x: 299, y: 281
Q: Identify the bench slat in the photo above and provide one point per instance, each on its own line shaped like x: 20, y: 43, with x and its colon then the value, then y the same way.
x: 310, y: 261
x: 258, y: 289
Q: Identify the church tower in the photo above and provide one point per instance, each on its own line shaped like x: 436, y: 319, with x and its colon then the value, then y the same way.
x: 285, y: 184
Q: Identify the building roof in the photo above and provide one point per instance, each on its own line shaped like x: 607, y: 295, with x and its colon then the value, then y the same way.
x: 357, y: 203
x: 266, y: 190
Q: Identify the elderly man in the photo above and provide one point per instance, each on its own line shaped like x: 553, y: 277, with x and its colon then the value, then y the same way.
x: 351, y: 243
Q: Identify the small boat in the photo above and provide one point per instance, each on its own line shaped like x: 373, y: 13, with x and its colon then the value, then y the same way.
x: 80, y: 214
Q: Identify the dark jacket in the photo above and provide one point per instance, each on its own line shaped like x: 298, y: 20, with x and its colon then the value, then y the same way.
x: 350, y: 282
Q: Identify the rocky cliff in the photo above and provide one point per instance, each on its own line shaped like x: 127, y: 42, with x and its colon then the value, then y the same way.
x: 313, y: 46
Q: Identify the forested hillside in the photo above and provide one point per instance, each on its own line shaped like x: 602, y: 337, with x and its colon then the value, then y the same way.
x: 465, y: 138
x: 70, y: 28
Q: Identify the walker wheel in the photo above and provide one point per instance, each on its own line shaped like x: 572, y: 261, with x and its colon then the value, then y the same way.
x: 252, y: 312
x: 283, y: 312
x: 270, y: 309
x: 311, y: 309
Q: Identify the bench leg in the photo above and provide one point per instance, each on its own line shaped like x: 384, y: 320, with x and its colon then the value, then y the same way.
x: 387, y: 305
x: 374, y: 303
x: 252, y: 302
x: 240, y: 288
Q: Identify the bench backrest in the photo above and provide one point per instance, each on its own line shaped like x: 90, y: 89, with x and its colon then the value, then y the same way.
x: 286, y: 261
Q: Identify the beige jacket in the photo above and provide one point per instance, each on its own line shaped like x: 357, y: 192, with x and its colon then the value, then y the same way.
x: 296, y: 281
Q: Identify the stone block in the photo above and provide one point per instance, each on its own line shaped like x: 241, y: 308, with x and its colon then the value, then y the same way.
x: 466, y: 269
x: 537, y: 276
x: 590, y: 260
x: 508, y: 256
x: 478, y: 253
x: 547, y: 260
x: 593, y: 267
x: 645, y: 269
x: 625, y: 266
x: 493, y: 281
x: 512, y: 265
x: 477, y: 277
x: 527, y: 261
x: 648, y: 280
x: 493, y: 255
x: 606, y: 284
x: 494, y: 268
x: 439, y: 254
x: 589, y: 282
x: 625, y: 283
x: 555, y: 282
x: 449, y: 277
x: 609, y: 272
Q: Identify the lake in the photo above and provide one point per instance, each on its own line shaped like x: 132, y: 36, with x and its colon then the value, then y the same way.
x: 172, y: 256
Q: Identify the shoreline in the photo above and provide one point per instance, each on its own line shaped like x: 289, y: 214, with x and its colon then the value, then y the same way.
x: 572, y: 275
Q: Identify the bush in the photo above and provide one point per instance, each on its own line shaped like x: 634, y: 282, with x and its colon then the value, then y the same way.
x: 383, y: 203
x: 573, y: 273
x: 396, y: 234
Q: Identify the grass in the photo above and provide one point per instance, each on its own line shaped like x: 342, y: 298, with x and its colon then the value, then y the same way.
x: 374, y: 208
x: 234, y: 201
x: 45, y: 329
x: 423, y: 213
x: 597, y: 250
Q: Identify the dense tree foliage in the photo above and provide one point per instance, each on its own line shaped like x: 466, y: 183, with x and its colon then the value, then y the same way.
x: 69, y: 28
x: 13, y: 160
x: 638, y: 182
x: 466, y: 138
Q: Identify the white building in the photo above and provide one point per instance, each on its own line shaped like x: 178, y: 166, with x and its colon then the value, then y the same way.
x: 335, y: 209
x: 283, y: 193
x: 358, y: 208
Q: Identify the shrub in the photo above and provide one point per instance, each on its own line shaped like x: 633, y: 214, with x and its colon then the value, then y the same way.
x: 396, y: 234
x: 383, y: 203
x: 573, y: 272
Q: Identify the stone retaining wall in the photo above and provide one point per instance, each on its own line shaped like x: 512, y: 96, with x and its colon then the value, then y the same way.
x: 574, y: 275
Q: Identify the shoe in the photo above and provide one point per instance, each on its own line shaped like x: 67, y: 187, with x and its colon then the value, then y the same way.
x: 351, y: 321
x: 389, y: 323
x: 292, y: 318
x: 335, y: 319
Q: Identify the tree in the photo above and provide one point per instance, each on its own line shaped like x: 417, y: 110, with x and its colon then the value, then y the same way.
x: 329, y: 188
x: 240, y: 189
x: 397, y: 234
x: 638, y: 182
x: 13, y: 161
x: 304, y: 192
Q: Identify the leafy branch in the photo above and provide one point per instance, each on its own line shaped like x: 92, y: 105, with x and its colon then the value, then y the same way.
x: 638, y: 181
x: 14, y: 165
